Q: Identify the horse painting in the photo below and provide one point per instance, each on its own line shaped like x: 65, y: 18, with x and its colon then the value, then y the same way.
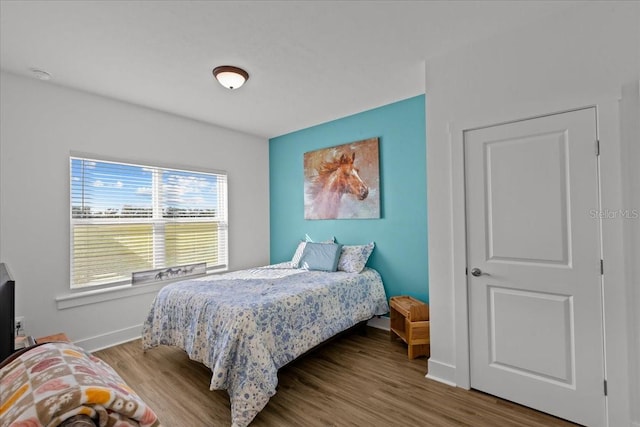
x: 335, y: 188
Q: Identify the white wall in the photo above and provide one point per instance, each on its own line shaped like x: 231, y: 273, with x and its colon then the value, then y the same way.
x: 41, y: 124
x: 568, y: 61
x: 630, y: 132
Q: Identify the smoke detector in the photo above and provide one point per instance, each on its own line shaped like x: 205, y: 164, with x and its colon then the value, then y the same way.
x: 40, y: 74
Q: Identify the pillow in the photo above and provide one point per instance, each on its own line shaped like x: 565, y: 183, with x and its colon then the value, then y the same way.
x: 295, y: 261
x: 320, y: 256
x: 354, y: 258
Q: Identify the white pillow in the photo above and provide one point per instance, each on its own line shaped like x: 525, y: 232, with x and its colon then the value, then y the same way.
x: 354, y: 258
x: 295, y: 261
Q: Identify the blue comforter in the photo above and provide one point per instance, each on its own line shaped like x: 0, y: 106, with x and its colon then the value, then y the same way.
x: 245, y: 325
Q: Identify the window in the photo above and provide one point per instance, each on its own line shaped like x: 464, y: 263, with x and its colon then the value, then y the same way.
x: 127, y: 218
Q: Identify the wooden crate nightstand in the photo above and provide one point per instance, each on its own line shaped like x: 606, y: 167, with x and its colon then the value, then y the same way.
x: 410, y: 321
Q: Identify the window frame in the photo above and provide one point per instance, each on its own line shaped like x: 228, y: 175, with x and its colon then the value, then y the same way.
x: 154, y: 220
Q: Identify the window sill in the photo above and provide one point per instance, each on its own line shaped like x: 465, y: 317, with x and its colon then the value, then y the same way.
x: 95, y: 296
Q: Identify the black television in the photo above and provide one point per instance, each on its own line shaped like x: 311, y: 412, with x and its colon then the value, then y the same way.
x: 7, y: 313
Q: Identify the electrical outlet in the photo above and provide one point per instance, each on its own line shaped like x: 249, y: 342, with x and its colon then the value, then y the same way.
x: 20, y: 325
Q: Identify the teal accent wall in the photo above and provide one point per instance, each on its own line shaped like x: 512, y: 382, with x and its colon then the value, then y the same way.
x: 401, y: 233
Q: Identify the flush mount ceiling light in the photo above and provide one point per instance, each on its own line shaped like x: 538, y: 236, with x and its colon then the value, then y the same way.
x: 230, y: 77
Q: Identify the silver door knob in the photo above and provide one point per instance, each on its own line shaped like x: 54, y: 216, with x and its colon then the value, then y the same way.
x: 477, y: 272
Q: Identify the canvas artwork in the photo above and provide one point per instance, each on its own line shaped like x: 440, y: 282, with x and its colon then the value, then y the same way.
x: 342, y: 182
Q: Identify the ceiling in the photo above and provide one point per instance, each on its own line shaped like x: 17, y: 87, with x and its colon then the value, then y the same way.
x: 309, y: 62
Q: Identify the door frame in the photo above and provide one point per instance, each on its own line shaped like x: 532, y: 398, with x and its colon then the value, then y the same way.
x: 614, y: 285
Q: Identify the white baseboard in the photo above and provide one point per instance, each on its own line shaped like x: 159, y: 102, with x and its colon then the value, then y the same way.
x: 438, y: 371
x: 379, y: 323
x: 441, y: 372
x: 110, y: 339
x: 121, y: 336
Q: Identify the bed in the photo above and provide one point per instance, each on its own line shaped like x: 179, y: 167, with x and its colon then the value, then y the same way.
x: 246, y: 325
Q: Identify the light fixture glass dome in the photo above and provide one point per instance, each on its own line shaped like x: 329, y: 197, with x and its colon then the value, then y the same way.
x: 230, y: 77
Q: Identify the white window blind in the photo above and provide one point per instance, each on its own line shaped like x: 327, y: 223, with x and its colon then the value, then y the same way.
x: 127, y: 218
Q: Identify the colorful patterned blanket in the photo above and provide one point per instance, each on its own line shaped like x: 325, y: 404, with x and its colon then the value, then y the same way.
x: 245, y: 325
x: 51, y: 383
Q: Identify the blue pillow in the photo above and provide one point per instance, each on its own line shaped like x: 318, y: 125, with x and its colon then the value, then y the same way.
x: 320, y: 256
x: 295, y: 261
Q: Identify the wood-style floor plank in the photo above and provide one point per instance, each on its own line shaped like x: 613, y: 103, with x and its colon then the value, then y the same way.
x: 355, y: 380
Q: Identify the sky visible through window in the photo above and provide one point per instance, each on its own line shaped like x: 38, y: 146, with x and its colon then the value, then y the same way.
x: 117, y: 189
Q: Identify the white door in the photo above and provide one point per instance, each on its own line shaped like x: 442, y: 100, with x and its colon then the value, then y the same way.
x: 535, y: 297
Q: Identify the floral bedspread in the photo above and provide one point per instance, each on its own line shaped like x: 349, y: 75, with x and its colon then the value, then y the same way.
x: 51, y: 383
x: 245, y: 325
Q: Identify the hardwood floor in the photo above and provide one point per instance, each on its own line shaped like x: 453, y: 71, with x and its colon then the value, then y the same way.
x: 354, y: 381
